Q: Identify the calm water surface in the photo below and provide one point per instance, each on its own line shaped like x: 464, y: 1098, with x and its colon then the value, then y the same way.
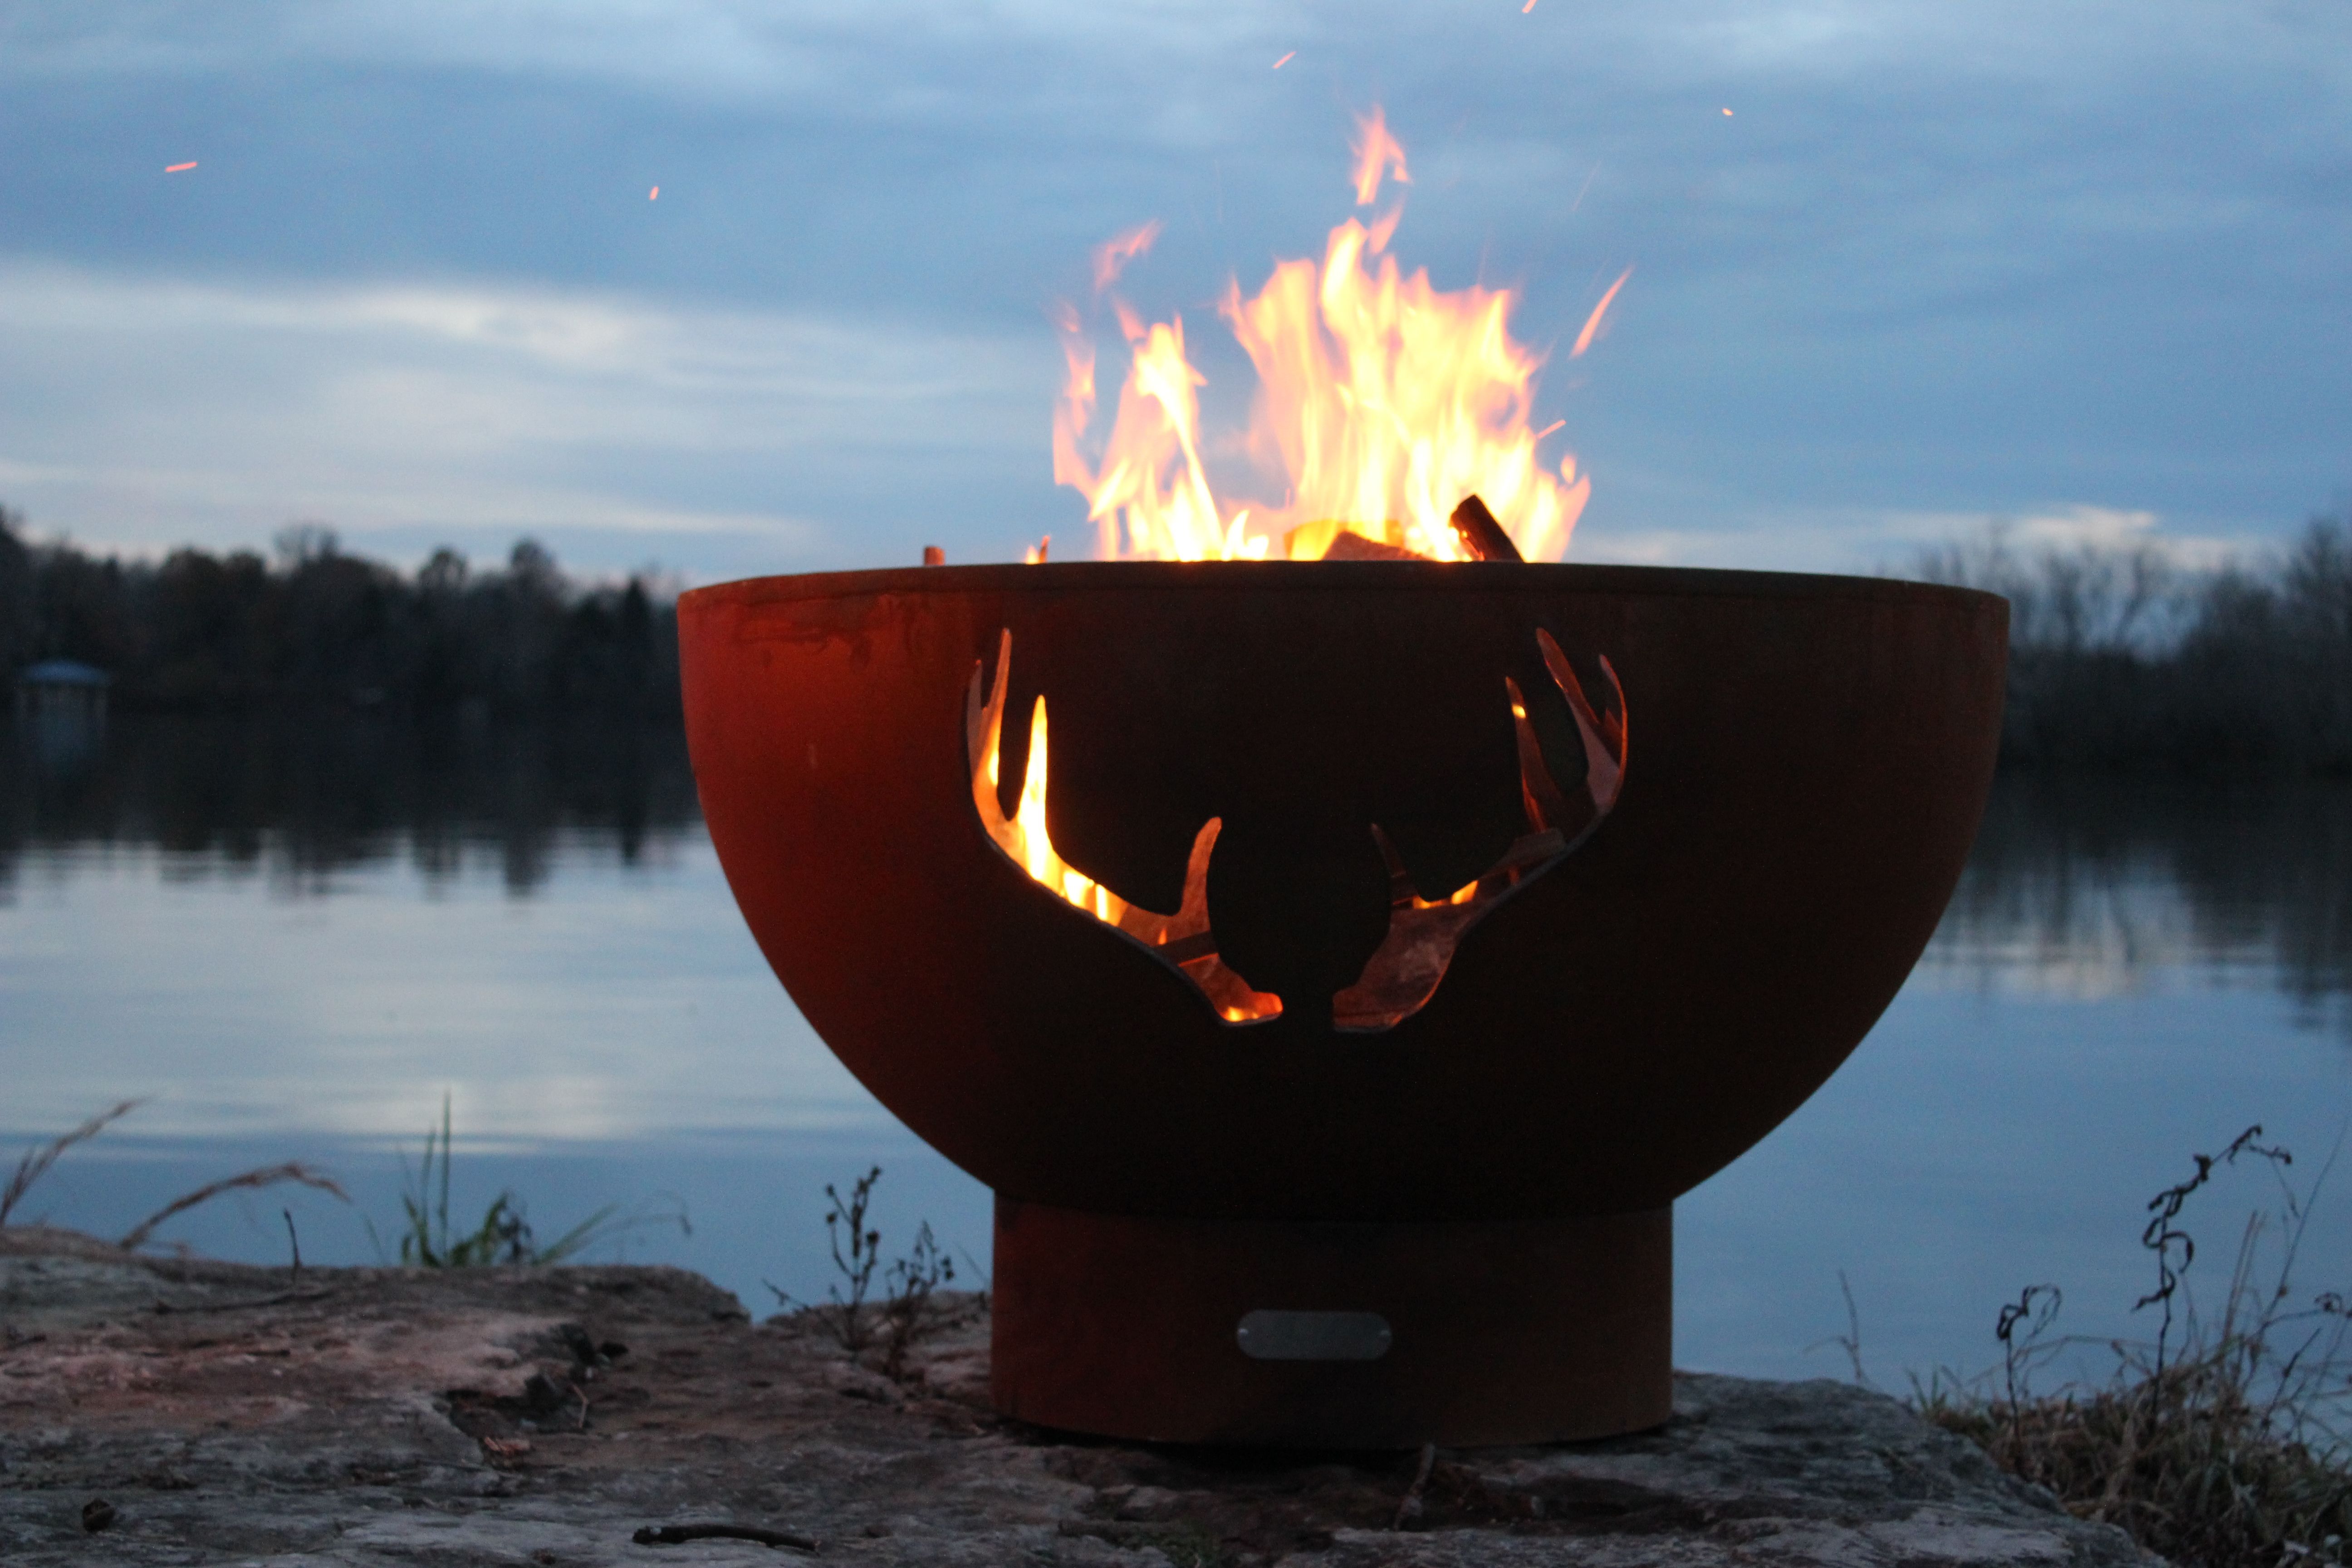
x: 293, y: 939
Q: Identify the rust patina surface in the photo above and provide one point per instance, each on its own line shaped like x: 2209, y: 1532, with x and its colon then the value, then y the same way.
x: 1807, y: 761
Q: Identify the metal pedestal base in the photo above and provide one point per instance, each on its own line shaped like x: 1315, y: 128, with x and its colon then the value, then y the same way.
x: 1333, y: 1335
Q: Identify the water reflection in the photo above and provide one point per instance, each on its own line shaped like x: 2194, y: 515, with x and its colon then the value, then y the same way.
x: 2094, y: 887
x: 2119, y: 981
x: 2080, y: 886
x: 60, y: 742
x: 298, y: 798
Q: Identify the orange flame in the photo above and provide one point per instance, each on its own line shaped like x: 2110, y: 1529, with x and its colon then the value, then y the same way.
x: 1402, y: 974
x: 1387, y: 401
x: 1183, y: 938
x: 1383, y: 402
x: 1114, y: 254
x: 1376, y: 152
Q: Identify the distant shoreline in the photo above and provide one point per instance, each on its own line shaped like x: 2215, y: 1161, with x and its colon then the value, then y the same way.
x: 2120, y: 661
x: 314, y: 628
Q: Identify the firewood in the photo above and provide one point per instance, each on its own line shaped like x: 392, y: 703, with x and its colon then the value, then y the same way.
x: 1349, y: 545
x: 1481, y: 535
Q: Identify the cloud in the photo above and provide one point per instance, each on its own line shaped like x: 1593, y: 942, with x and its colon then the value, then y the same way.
x: 1940, y: 261
x: 2067, y: 530
x: 1872, y: 541
x: 140, y: 410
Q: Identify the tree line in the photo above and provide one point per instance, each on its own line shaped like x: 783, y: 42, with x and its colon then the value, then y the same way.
x: 197, y: 632
x: 2120, y: 655
x: 2120, y: 658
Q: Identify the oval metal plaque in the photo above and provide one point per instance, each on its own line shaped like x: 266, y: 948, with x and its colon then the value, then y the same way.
x: 1313, y: 1336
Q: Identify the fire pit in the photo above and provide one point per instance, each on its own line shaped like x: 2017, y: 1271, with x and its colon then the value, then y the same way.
x: 1339, y: 968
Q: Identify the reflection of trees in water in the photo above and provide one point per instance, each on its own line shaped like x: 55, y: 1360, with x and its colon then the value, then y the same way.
x: 2095, y: 882
x: 2121, y: 875
x: 298, y: 798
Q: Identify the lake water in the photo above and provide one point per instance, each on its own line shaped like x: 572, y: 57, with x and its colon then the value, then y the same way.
x: 291, y: 940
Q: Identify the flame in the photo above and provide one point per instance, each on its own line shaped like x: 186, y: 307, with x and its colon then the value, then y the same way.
x: 1402, y: 975
x: 1384, y: 400
x: 1183, y: 938
x: 1115, y: 253
x: 1376, y: 152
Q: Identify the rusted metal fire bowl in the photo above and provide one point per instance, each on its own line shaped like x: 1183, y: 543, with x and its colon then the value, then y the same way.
x: 1449, y: 1220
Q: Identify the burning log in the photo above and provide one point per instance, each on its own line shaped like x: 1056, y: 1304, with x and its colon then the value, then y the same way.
x: 1349, y: 545
x: 1480, y: 534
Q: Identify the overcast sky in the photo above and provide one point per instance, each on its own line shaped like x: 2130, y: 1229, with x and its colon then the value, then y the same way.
x: 2087, y: 267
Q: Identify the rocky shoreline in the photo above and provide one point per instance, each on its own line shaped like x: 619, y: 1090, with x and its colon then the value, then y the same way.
x: 164, y: 1411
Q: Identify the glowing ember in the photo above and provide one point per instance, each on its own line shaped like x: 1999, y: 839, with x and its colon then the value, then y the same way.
x: 1382, y: 401
x: 178, y: 168
x: 1284, y: 59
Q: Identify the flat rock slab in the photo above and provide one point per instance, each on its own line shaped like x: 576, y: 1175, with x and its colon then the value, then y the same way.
x: 210, y: 1413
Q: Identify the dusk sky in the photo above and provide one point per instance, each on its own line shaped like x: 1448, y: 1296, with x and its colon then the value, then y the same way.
x: 2087, y: 268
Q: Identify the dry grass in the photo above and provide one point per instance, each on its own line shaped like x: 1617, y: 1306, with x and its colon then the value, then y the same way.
x: 263, y: 1177
x: 36, y: 1162
x: 504, y: 1234
x: 903, y: 1315
x: 2224, y: 1450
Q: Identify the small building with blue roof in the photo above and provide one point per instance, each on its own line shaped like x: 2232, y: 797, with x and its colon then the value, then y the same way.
x: 62, y: 688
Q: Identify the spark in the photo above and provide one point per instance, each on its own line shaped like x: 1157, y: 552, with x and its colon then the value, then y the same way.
x: 1727, y: 111
x: 654, y: 194
x: 1285, y: 60
x: 1580, y: 190
x: 175, y: 168
x: 1592, y: 323
x: 1550, y: 428
x: 1528, y: 8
